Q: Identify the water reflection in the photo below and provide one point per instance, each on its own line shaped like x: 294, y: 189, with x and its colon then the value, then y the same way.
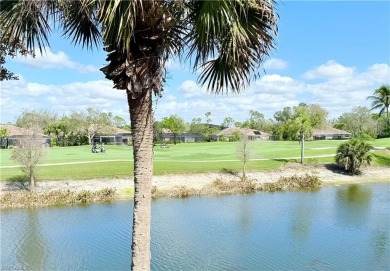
x: 301, y: 218
x: 32, y: 250
x: 353, y: 205
x: 245, y: 215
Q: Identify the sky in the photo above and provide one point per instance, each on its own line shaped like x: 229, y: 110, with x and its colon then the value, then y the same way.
x: 331, y: 53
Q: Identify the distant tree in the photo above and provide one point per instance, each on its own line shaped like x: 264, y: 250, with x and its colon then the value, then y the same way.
x: 236, y: 136
x: 244, y: 152
x: 381, y: 100
x: 97, y: 122
x: 157, y: 130
x: 318, y: 115
x: 36, y: 118
x: 196, y: 126
x: 29, y: 150
x: 238, y: 124
x: 284, y: 115
x: 54, y: 129
x: 127, y: 127
x: 300, y: 127
x: 4, y: 134
x: 227, y: 122
x: 351, y: 155
x: 175, y: 124
x: 118, y: 122
x: 208, y: 117
x: 256, y: 120
x: 359, y: 122
x: 340, y: 126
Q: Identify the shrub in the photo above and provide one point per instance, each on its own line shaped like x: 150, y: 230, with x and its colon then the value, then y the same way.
x: 351, y: 155
x: 291, y: 183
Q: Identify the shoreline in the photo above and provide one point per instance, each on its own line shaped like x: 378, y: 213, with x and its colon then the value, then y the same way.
x: 327, y: 173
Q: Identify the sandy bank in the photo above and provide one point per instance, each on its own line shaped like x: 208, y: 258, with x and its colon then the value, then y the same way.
x: 327, y: 174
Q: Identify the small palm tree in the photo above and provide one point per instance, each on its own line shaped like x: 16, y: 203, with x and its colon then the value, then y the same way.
x: 225, y: 40
x: 381, y: 100
x: 352, y: 154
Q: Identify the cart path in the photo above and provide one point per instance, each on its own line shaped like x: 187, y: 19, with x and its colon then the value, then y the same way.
x: 175, y: 161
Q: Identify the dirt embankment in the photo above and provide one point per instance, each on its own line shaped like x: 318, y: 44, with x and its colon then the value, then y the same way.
x: 328, y: 174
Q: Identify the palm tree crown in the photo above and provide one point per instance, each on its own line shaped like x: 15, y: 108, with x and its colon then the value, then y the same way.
x: 226, y: 40
x: 381, y: 100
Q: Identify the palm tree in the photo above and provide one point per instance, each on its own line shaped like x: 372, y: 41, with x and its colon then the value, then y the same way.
x: 381, y: 100
x: 225, y: 40
x: 353, y: 154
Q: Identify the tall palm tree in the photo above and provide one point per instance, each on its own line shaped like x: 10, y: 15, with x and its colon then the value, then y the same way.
x: 225, y: 40
x: 381, y: 100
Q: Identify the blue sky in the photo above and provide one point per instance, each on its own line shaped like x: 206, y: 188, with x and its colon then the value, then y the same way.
x: 333, y: 53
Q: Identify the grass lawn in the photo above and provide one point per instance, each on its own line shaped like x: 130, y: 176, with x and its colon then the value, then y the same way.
x: 81, y: 163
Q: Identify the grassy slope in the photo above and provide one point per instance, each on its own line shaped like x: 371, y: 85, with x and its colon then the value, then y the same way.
x: 181, y: 158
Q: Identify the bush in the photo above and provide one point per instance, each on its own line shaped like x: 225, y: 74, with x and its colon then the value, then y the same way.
x: 292, y: 183
x: 351, y: 155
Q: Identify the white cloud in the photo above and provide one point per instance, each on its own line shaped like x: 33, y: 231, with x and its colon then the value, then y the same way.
x: 18, y: 95
x: 275, y: 83
x: 275, y: 64
x: 52, y: 60
x: 191, y: 89
x: 329, y: 70
x: 273, y: 92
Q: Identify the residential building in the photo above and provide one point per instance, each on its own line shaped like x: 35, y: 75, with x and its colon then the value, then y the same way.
x: 330, y: 133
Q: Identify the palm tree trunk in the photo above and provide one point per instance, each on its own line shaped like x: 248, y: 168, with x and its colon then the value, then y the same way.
x: 142, y: 137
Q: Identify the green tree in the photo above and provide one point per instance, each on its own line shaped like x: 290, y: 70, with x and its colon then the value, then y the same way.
x: 318, y: 115
x: 359, y: 122
x: 118, y: 122
x: 54, y: 128
x: 351, y: 155
x: 227, y: 41
x: 175, y: 124
x: 196, y: 126
x: 256, y: 120
x: 157, y: 130
x: 227, y: 122
x: 10, y: 50
x: 381, y: 100
x: 4, y: 134
x: 300, y: 127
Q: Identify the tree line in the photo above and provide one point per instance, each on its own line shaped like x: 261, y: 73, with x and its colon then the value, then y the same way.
x: 77, y: 128
x: 290, y: 123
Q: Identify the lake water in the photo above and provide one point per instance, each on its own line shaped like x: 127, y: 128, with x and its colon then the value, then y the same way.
x: 335, y: 228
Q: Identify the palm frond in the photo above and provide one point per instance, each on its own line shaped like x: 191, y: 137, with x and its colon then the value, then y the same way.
x: 80, y: 22
x: 27, y: 22
x: 230, y: 39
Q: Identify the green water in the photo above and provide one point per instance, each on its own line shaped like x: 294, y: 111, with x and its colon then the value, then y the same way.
x: 335, y: 228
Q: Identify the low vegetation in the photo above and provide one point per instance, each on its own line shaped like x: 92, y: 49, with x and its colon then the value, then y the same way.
x: 292, y: 183
x: 242, y: 186
x: 28, y: 199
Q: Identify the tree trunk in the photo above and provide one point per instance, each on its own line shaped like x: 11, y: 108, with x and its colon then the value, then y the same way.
x: 142, y: 137
x: 31, y: 179
x: 302, y: 148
